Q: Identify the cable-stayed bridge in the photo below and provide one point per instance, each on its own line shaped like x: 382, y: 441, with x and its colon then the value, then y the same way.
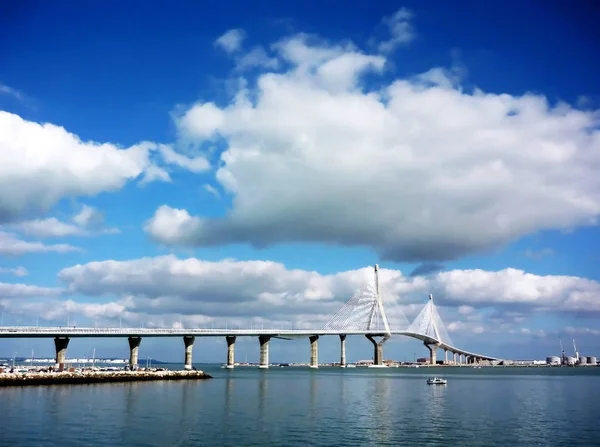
x: 364, y: 314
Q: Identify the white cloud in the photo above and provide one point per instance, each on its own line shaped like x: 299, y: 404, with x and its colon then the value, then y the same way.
x: 231, y: 290
x: 231, y: 41
x: 88, y: 217
x: 400, y: 28
x: 26, y: 291
x: 11, y: 245
x: 42, y: 163
x: 195, y: 164
x: 418, y: 168
x: 170, y: 225
x: 201, y: 121
x: 17, y: 271
x: 49, y: 227
x: 88, y: 221
x: 516, y: 287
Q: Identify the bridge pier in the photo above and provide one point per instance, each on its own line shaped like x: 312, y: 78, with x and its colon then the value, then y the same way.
x: 61, y: 343
x: 230, y: 351
x: 343, y: 350
x: 377, y: 348
x: 134, y: 348
x: 314, y: 351
x: 264, y: 350
x: 432, y: 352
x: 445, y: 356
x: 188, y: 341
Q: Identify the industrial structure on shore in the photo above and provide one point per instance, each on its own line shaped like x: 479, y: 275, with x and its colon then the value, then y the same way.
x: 576, y: 360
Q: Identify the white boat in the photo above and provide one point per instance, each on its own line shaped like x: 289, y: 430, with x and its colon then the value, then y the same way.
x: 436, y: 381
x: 350, y: 365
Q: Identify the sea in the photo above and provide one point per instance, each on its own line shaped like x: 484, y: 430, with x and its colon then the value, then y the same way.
x: 295, y: 406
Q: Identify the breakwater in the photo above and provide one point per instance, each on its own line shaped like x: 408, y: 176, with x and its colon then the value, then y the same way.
x: 88, y: 377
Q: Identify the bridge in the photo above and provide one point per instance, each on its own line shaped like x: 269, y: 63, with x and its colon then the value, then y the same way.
x: 364, y: 315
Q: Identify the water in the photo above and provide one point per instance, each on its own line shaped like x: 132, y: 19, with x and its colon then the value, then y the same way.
x: 304, y: 407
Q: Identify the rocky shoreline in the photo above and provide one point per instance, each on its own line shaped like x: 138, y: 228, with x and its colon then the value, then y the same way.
x: 89, y: 377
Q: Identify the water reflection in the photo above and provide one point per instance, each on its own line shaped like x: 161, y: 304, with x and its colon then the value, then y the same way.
x: 312, y: 397
x: 229, y: 382
x: 262, y: 399
x: 383, y: 429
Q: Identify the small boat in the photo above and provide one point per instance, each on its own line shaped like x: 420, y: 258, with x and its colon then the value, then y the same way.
x: 436, y: 381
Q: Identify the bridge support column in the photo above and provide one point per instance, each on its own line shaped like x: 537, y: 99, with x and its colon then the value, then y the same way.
x: 432, y: 353
x: 342, y: 350
x: 454, y: 357
x: 377, y: 349
x: 264, y: 350
x: 188, y: 341
x: 61, y: 343
x: 314, y: 351
x: 445, y: 356
x: 134, y: 348
x: 230, y: 351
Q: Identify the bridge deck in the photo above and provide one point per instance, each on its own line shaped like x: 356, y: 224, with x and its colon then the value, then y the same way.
x: 82, y: 332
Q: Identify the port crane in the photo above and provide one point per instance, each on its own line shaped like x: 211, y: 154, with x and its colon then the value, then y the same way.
x: 563, y: 357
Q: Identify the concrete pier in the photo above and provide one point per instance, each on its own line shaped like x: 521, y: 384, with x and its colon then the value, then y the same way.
x: 343, y: 350
x: 134, y: 348
x: 61, y: 343
x: 188, y: 341
x: 445, y: 356
x: 377, y: 349
x: 230, y: 351
x: 264, y: 350
x: 314, y: 351
x: 432, y: 353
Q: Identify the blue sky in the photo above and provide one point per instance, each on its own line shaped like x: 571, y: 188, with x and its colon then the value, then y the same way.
x: 150, y: 154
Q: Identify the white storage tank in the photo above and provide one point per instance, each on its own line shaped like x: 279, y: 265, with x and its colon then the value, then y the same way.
x: 582, y: 360
x: 592, y: 360
x: 553, y: 361
x: 571, y: 361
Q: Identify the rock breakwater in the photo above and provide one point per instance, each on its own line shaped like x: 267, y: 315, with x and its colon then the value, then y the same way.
x: 84, y: 377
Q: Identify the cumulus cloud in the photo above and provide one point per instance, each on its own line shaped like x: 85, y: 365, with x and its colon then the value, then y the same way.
x: 42, y: 163
x: 231, y: 41
x: 419, y: 169
x: 400, y: 29
x: 266, y: 291
x: 10, y: 244
x: 510, y: 286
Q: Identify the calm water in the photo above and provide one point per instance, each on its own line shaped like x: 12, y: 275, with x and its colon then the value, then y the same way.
x: 327, y: 407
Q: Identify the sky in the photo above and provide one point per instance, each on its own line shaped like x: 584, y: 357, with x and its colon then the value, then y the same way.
x: 192, y: 164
